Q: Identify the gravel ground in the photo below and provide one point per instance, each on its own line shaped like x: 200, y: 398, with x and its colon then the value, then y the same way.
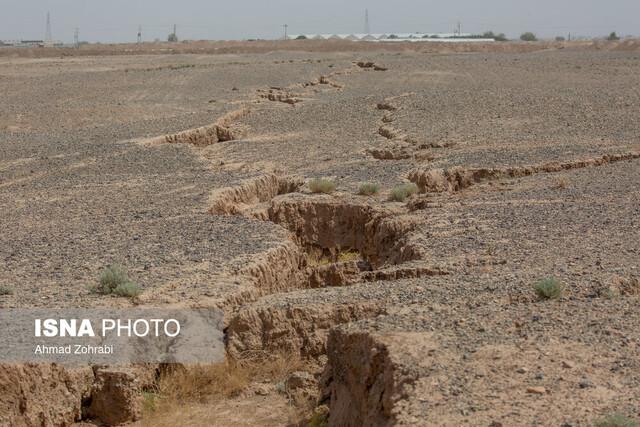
x: 77, y: 192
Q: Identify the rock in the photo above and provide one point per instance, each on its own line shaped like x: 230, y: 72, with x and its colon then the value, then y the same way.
x: 568, y: 365
x: 585, y: 383
x: 522, y: 370
x: 117, y: 396
x: 536, y: 390
x: 262, y: 390
x: 301, y: 386
x: 42, y: 394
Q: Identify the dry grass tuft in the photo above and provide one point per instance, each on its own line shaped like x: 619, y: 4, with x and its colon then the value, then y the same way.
x: 322, y: 185
x: 401, y: 192
x: 349, y: 256
x: 368, y: 189
x: 180, y: 386
x: 616, y: 420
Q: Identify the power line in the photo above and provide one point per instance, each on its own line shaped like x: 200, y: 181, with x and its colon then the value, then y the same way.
x: 367, y: 29
x: 47, y: 36
x: 285, y: 31
x: 76, y: 37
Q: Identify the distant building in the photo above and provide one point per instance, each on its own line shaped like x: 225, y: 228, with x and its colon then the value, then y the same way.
x: 395, y: 37
x: 30, y: 43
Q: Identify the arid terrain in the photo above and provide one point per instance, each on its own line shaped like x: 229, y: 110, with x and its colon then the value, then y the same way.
x: 493, y: 168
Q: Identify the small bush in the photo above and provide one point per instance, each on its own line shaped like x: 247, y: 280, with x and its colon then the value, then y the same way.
x: 128, y: 289
x: 5, y: 291
x: 115, y: 280
x: 401, y: 192
x: 549, y: 288
x: 368, y: 189
x: 613, y: 37
x: 528, y: 37
x: 322, y: 185
x: 616, y: 420
x: 301, y: 37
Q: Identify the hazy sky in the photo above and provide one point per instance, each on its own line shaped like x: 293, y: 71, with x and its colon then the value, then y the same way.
x: 118, y: 20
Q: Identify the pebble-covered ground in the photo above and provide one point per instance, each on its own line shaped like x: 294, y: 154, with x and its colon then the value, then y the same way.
x: 79, y: 189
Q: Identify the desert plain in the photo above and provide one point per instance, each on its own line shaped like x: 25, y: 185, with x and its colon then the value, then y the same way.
x: 381, y: 216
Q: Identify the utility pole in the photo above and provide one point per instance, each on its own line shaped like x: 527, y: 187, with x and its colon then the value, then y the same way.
x: 367, y: 29
x: 47, y: 35
x: 285, y: 31
x: 459, y: 29
x: 140, y: 34
x: 76, y: 37
x: 174, y: 31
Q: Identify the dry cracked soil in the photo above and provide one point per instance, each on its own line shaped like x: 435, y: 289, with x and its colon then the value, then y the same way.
x: 194, y: 170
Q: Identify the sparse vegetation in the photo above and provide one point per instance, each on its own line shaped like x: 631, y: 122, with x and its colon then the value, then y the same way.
x: 128, y: 289
x: 318, y: 419
x: 179, y: 385
x: 149, y: 401
x: 322, y: 185
x: 315, y: 259
x: 368, y: 189
x: 173, y: 38
x: 616, y: 420
x: 560, y: 39
x: 348, y: 256
x: 549, y: 288
x: 301, y: 37
x: 401, y: 192
x: 114, y: 280
x: 528, y: 37
x: 5, y: 291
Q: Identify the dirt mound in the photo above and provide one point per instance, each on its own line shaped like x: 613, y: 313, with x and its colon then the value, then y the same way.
x: 459, y: 178
x: 224, y: 129
x: 240, y: 198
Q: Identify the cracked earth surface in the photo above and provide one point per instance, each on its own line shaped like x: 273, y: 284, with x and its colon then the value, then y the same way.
x: 419, y: 312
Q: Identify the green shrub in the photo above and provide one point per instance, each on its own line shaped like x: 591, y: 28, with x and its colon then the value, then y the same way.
x: 616, y: 420
x: 368, y: 189
x: 115, y: 280
x: 322, y: 186
x: 128, y: 289
x: 401, y: 192
x: 5, y: 291
x: 549, y: 288
x: 528, y: 37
